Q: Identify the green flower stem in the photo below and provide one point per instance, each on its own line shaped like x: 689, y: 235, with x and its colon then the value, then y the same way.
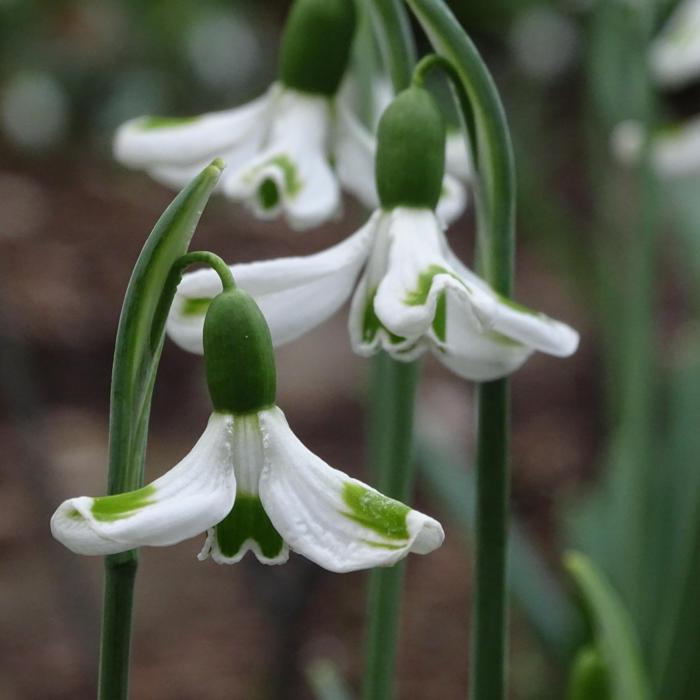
x: 494, y: 186
x: 137, y: 352
x: 392, y: 405
x: 396, y: 41
x: 391, y: 429
x: 206, y: 258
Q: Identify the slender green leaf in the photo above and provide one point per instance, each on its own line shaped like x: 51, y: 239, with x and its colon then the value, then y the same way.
x: 611, y: 628
x: 142, y: 329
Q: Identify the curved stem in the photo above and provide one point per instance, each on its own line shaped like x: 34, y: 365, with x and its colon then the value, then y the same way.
x: 486, y: 125
x: 207, y: 258
x: 395, y: 39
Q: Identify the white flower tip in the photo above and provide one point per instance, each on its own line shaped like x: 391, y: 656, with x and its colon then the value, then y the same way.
x: 430, y: 535
x: 627, y: 140
x: 126, y: 148
x: 71, y: 526
x: 568, y: 341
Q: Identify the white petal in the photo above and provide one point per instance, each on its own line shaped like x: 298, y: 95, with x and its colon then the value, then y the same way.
x: 335, y: 521
x: 141, y: 143
x: 292, y: 172
x: 247, y: 528
x: 457, y: 159
x: 453, y: 200
x: 354, y: 153
x: 474, y: 354
x: 675, y: 55
x: 368, y: 334
x: 510, y: 319
x: 418, y: 275
x: 194, y: 495
x: 294, y: 294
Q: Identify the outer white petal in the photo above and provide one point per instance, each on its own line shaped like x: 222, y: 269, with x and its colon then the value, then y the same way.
x: 528, y: 327
x: 675, y: 55
x: 354, y: 154
x: 308, y: 502
x: 418, y: 274
x: 457, y: 159
x: 194, y: 495
x: 293, y: 164
x: 453, y: 200
x: 248, y: 461
x: 194, y: 142
x: 294, y: 294
x: 473, y: 354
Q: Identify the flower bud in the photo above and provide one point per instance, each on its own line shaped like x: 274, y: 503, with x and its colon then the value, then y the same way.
x: 238, y: 355
x: 410, y: 161
x: 316, y: 45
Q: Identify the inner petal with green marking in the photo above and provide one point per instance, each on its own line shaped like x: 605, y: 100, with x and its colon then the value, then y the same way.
x: 419, y: 295
x: 247, y: 523
x: 383, y: 516
x: 122, y: 505
x: 371, y: 325
x: 268, y: 191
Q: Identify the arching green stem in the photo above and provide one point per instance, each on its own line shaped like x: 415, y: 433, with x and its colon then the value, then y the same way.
x: 495, y: 199
x: 206, y: 258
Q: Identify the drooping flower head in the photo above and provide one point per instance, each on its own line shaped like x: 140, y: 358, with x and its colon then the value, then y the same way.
x: 249, y: 482
x: 290, y: 151
x: 413, y: 294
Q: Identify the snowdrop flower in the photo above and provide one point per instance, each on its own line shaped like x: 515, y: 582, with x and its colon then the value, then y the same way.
x: 291, y: 150
x: 249, y: 482
x: 674, y: 151
x: 675, y: 54
x: 413, y: 294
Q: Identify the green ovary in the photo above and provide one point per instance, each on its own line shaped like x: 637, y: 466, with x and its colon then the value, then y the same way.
x: 122, y: 505
x: 376, y: 512
x: 248, y: 521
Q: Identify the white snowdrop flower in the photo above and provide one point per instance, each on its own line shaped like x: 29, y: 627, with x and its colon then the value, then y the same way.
x: 249, y: 483
x: 413, y: 293
x: 674, y: 55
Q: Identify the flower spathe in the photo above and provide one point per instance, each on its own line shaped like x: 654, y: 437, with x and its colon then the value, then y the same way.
x: 252, y: 486
x: 288, y: 152
x: 413, y: 295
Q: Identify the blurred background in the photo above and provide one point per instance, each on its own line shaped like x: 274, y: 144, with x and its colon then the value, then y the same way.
x: 605, y: 444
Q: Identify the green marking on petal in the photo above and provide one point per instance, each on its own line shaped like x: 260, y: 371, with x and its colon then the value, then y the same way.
x: 122, y: 505
x: 196, y: 306
x: 292, y: 183
x: 440, y: 318
x: 268, y: 194
x: 371, y: 325
x: 74, y: 514
x: 248, y: 521
x: 374, y: 511
x: 419, y: 295
x: 517, y: 307
x: 153, y: 123
x: 383, y: 545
